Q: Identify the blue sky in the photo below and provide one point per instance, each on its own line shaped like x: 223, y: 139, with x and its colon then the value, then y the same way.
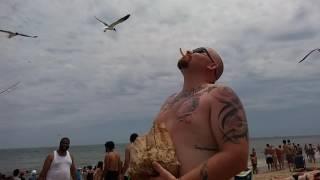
x: 77, y: 81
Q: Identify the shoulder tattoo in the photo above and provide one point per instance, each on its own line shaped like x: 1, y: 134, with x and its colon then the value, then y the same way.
x: 232, y: 118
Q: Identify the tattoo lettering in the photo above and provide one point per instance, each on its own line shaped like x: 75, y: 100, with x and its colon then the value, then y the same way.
x: 233, y: 123
x: 204, y: 172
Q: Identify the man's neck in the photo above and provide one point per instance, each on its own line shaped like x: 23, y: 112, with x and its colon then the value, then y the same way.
x: 192, y: 84
x: 61, y: 153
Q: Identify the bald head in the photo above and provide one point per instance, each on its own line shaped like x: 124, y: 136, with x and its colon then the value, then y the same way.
x: 214, y: 57
x: 217, y: 59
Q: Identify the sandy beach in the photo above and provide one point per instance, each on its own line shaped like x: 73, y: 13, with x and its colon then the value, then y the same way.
x: 264, y: 174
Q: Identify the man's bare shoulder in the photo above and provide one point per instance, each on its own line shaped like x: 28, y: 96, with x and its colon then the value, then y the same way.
x: 171, y: 97
x: 215, y: 90
x: 228, y: 115
x: 112, y: 154
x: 168, y: 101
x: 50, y: 157
x: 222, y: 94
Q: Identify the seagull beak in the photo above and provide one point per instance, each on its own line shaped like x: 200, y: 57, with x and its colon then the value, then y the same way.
x: 181, y: 52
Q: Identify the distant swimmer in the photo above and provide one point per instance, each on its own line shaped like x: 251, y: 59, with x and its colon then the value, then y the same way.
x: 318, y: 49
x: 13, y: 34
x: 111, y: 26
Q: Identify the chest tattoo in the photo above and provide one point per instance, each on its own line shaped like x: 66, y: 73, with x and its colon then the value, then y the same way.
x: 184, y: 114
x: 186, y: 103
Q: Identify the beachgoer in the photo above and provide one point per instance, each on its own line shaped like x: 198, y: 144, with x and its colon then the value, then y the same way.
x: 84, y: 173
x: 254, y: 163
x: 22, y: 175
x: 112, y: 162
x: 59, y: 165
x: 78, y: 174
x: 98, y: 173
x: 306, y: 150
x: 254, y: 152
x: 280, y: 156
x: 206, y: 121
x: 287, y: 152
x: 274, y: 158
x: 299, y: 150
x: 133, y: 137
x: 268, y: 152
x: 90, y: 173
x: 33, y: 175
x: 16, y: 173
x: 312, y: 154
x: 290, y: 155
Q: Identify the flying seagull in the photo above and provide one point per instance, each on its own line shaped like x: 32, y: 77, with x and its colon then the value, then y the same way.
x: 13, y: 34
x: 111, y: 26
x: 318, y: 49
x: 10, y: 88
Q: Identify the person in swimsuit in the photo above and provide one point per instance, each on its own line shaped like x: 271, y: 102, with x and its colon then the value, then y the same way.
x: 127, y: 157
x: 112, y: 162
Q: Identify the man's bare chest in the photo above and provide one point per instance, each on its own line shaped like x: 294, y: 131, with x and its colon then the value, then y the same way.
x: 190, y: 111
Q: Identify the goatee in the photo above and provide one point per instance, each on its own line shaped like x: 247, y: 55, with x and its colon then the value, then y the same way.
x: 182, y: 64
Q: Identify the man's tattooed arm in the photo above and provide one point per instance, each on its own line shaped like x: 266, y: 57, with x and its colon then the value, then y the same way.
x: 202, y: 175
x: 231, y: 117
x: 204, y: 172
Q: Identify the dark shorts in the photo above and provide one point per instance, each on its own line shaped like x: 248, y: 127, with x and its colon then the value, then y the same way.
x: 289, y: 158
x: 269, y: 160
x: 111, y: 175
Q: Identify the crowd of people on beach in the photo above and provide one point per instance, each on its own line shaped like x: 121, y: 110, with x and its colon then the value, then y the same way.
x: 60, y: 165
x: 18, y: 174
x: 294, y: 154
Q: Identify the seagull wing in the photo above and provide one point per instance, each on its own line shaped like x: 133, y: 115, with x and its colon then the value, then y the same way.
x: 10, y: 87
x: 120, y: 20
x: 101, y: 21
x: 9, y: 32
x: 308, y: 55
x: 26, y: 35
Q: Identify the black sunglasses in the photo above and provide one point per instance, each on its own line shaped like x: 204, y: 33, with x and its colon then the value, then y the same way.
x: 203, y: 50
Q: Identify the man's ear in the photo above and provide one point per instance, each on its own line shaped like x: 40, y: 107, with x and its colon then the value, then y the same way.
x: 212, y: 66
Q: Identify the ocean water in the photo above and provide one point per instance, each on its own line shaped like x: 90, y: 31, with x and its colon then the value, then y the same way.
x: 33, y: 158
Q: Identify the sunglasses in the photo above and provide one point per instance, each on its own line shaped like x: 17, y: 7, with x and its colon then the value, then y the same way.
x: 203, y: 50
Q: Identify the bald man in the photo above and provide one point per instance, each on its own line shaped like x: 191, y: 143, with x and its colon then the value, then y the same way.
x: 206, y: 121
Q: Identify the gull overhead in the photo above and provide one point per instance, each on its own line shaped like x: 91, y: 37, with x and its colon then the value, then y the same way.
x: 318, y: 49
x: 13, y: 34
x: 10, y: 88
x: 112, y: 25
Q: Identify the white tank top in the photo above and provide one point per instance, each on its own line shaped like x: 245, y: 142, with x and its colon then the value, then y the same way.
x: 60, y: 167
